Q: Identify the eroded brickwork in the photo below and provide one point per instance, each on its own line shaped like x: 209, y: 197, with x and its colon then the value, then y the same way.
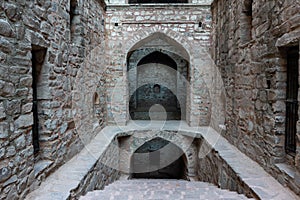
x: 250, y: 42
x: 26, y: 28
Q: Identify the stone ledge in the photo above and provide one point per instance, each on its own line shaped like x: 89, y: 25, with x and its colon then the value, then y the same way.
x: 288, y: 175
x: 261, y: 184
x: 40, y: 166
x: 287, y: 169
x: 69, y: 176
x: 288, y: 39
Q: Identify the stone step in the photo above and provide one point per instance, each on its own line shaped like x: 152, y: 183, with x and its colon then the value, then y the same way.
x: 140, y: 189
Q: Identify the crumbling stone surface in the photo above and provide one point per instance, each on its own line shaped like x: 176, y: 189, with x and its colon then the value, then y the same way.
x: 251, y: 55
x: 27, y: 26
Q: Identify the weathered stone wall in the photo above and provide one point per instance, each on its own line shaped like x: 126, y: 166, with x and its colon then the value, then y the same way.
x: 213, y: 169
x: 130, y: 28
x: 103, y: 173
x: 32, y: 25
x: 157, y: 74
x: 88, y: 64
x: 251, y: 56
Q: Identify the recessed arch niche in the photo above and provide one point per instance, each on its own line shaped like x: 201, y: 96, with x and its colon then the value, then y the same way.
x: 159, y: 159
x: 159, y: 62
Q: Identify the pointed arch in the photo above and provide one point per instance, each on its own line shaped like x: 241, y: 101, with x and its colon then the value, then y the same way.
x: 174, y: 43
x: 186, y: 144
x: 170, y: 37
x: 159, y: 158
x: 158, y: 57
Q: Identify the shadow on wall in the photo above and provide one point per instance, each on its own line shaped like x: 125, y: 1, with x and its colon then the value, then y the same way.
x: 156, y: 100
x: 155, y: 159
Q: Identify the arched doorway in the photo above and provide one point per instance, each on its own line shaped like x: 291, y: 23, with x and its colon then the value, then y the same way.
x: 159, y: 159
x: 157, y: 77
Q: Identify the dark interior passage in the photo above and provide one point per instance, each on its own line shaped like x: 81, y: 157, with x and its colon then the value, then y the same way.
x: 158, y: 57
x: 292, y: 99
x: 38, y: 57
x: 158, y: 159
x: 149, y: 95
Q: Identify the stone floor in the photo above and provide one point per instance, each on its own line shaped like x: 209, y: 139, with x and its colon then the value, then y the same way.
x: 159, y: 189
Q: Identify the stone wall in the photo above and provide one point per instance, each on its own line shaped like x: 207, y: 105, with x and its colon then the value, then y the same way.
x: 130, y: 28
x: 87, y: 63
x: 213, y: 169
x: 102, y: 173
x: 249, y: 47
x: 28, y: 28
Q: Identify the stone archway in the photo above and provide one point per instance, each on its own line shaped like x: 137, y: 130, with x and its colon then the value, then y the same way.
x: 204, y: 99
x: 184, y: 148
x: 177, y: 69
x: 158, y: 61
x: 158, y: 158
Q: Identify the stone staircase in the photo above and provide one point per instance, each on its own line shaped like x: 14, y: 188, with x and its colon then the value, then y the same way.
x: 159, y: 189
